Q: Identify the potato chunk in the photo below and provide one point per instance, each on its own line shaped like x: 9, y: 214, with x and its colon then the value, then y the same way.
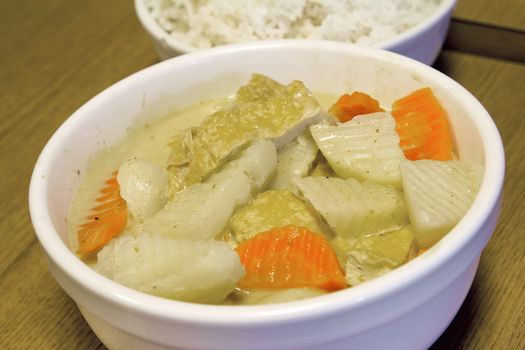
x: 438, y: 194
x: 203, y: 210
x: 352, y: 208
x: 143, y: 186
x: 364, y: 148
x: 195, y: 271
x: 294, y: 161
x: 258, y: 162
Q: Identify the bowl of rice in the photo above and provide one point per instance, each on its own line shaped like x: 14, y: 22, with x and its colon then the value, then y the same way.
x: 414, y: 28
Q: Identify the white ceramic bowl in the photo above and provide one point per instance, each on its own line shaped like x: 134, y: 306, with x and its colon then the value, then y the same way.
x: 421, y: 42
x: 405, y: 309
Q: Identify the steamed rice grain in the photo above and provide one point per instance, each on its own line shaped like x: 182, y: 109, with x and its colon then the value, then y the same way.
x: 206, y: 23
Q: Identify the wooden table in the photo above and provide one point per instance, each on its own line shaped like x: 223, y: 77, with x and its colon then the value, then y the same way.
x: 56, y: 54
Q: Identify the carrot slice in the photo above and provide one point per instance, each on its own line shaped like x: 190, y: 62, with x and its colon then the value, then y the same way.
x: 108, y: 219
x: 289, y: 257
x: 348, y: 106
x: 422, y: 126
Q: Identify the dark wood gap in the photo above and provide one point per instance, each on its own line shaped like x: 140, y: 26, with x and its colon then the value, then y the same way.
x: 486, y: 40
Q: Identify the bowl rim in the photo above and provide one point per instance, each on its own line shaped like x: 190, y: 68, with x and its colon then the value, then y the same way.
x: 248, y: 316
x: 159, y: 34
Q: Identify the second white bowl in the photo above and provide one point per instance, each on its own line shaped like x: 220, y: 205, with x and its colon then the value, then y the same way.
x: 421, y: 42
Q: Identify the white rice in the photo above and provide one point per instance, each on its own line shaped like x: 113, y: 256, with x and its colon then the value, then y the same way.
x: 207, y: 23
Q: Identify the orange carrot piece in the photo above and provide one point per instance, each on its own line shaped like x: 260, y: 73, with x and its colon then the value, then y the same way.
x: 348, y: 106
x: 290, y: 257
x: 422, y: 126
x: 108, y: 219
x: 421, y: 251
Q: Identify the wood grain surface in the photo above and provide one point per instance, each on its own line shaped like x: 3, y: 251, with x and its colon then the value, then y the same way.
x: 505, y: 13
x: 498, y: 42
x: 57, y: 54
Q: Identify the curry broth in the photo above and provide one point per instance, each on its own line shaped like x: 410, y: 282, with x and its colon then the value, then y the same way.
x: 148, y: 141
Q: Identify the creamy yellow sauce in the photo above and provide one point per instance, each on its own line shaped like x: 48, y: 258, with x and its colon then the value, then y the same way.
x: 148, y: 141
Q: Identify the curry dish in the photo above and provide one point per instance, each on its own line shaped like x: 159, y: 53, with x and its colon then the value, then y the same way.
x: 270, y: 195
